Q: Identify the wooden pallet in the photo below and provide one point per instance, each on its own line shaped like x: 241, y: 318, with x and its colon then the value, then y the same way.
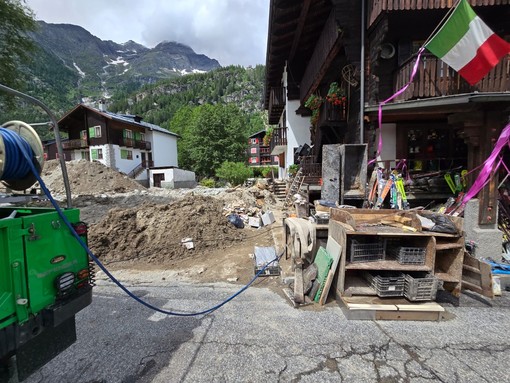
x: 374, y: 308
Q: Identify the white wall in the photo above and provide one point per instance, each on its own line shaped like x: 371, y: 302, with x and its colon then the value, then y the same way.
x: 389, y: 144
x: 164, y: 148
x: 298, y: 132
x: 173, y: 177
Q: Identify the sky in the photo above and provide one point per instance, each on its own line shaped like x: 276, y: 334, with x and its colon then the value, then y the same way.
x: 234, y: 32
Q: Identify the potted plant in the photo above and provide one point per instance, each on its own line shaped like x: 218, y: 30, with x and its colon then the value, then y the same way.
x: 336, y: 95
x: 267, y: 138
x: 314, y: 103
x: 292, y: 170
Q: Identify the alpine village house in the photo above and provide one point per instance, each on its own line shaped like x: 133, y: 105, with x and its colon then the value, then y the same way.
x: 365, y: 50
x: 125, y: 143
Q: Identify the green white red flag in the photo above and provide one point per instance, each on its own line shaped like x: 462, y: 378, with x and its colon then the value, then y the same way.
x: 467, y: 44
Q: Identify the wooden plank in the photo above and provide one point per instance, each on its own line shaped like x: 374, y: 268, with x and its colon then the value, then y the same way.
x: 385, y: 265
x: 413, y: 316
x: 299, y: 295
x: 448, y: 246
x: 446, y: 277
x: 428, y: 306
x: 335, y: 251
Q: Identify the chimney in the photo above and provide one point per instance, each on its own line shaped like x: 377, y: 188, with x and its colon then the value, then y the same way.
x: 102, y: 105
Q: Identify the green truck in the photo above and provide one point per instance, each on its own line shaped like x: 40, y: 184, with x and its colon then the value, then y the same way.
x: 46, y: 276
x: 45, y: 279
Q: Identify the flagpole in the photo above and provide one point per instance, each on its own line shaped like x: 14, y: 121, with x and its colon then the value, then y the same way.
x: 442, y: 22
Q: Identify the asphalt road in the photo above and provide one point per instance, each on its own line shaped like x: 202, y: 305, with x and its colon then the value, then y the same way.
x: 259, y: 337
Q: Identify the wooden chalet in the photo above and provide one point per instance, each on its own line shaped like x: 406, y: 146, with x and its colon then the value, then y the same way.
x: 368, y: 47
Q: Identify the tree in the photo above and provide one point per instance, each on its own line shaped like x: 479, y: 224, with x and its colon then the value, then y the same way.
x: 16, y: 19
x: 211, y: 135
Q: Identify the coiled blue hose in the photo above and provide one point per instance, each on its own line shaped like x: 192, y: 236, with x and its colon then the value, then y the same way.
x: 15, y: 166
x: 18, y: 141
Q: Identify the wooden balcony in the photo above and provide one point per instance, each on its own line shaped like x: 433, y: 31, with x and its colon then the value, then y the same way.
x: 144, y: 145
x: 129, y: 142
x: 435, y: 79
x: 276, y: 104
x: 312, y: 171
x: 279, y: 138
x: 75, y: 144
x: 331, y: 115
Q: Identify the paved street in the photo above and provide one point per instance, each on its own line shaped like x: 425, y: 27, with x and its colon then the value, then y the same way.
x: 259, y: 337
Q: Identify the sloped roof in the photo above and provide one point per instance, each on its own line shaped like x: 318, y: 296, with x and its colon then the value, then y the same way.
x: 256, y: 134
x: 126, y: 118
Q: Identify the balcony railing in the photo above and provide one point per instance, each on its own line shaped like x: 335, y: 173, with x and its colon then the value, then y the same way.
x: 312, y: 171
x: 276, y: 104
x: 129, y: 142
x: 435, y: 79
x: 331, y: 115
x: 74, y: 144
x: 278, y: 138
x: 144, y: 145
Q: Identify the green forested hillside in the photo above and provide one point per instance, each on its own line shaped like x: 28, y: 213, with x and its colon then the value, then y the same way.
x: 229, y: 85
x: 214, y: 113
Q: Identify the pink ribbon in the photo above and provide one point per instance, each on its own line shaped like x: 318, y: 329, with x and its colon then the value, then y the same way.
x: 488, y: 165
x: 399, y: 92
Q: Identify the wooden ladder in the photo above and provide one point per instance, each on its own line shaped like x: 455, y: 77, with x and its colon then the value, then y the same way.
x: 295, y: 186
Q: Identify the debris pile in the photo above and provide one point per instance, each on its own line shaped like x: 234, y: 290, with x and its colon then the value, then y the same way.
x: 153, y: 233
x: 87, y: 178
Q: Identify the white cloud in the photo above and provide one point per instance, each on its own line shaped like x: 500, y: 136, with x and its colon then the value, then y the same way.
x: 231, y: 31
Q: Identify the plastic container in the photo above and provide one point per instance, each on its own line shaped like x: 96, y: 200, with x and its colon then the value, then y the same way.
x: 421, y: 288
x: 367, y: 251
x: 408, y: 255
x: 389, y: 284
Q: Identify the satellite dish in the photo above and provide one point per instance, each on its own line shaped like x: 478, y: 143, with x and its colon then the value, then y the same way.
x: 387, y: 51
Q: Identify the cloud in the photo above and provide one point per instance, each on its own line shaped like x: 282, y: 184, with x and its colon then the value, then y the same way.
x: 231, y: 31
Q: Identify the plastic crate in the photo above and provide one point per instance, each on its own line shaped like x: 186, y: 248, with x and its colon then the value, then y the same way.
x: 367, y: 251
x: 262, y: 256
x: 387, y: 285
x: 421, y: 288
x: 408, y: 255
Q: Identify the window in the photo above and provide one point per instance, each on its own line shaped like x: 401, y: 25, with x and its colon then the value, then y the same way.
x: 254, y: 141
x: 254, y: 160
x: 128, y: 133
x: 142, y: 136
x: 126, y: 154
x: 97, y: 154
x: 95, y: 131
x: 253, y: 150
x: 84, y: 155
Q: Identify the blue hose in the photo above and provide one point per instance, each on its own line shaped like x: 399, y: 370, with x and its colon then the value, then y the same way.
x: 15, y: 167
x: 18, y: 141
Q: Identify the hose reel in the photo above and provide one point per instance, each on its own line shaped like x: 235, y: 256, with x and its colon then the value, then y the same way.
x: 27, y: 134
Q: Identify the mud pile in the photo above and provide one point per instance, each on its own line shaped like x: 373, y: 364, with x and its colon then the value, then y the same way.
x: 87, y: 178
x: 153, y: 232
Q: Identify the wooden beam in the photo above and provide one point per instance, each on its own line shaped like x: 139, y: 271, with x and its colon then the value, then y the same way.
x: 487, y: 214
x: 299, y: 29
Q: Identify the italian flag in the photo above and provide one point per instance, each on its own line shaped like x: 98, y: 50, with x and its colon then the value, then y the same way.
x: 467, y: 44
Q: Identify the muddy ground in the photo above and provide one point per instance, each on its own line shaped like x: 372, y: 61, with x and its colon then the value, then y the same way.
x: 135, y: 228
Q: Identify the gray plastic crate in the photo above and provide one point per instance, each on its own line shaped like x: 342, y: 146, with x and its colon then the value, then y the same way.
x: 408, y: 255
x: 261, y: 257
x: 389, y: 284
x: 421, y: 288
x: 367, y: 251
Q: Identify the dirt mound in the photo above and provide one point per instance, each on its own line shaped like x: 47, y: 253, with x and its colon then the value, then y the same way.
x: 87, y: 178
x: 154, y: 232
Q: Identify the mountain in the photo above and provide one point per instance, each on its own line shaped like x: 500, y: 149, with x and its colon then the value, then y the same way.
x: 88, y: 68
